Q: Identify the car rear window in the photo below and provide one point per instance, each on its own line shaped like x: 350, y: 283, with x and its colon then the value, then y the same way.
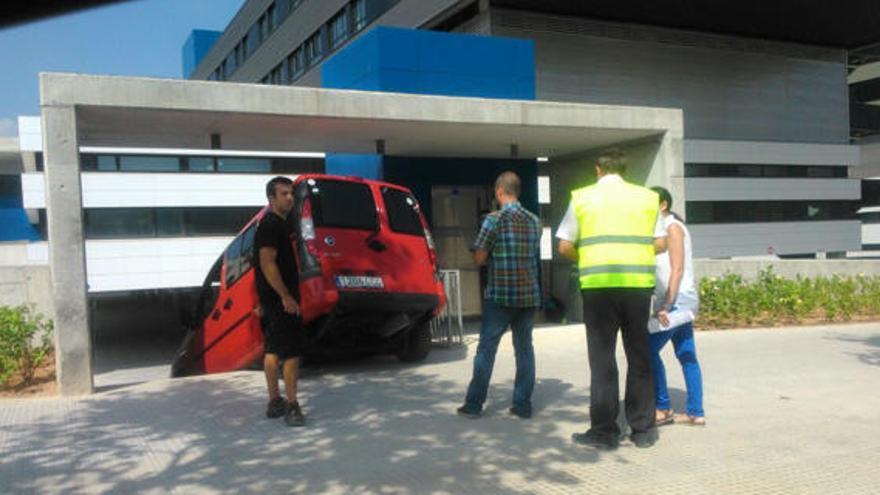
x: 402, y: 214
x: 347, y: 205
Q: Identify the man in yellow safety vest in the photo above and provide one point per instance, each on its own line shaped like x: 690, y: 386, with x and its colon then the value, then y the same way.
x: 612, y: 230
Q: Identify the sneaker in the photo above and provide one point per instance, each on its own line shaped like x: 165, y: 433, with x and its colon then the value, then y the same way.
x: 520, y: 413
x: 276, y: 408
x: 469, y: 413
x: 604, y: 441
x: 644, y: 440
x: 294, y: 416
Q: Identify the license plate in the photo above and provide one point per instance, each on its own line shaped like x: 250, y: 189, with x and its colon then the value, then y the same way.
x: 356, y: 282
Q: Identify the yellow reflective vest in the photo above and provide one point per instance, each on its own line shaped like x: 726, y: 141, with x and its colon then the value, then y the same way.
x: 616, y: 234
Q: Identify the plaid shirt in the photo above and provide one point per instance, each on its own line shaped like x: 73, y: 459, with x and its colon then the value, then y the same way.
x: 512, y: 236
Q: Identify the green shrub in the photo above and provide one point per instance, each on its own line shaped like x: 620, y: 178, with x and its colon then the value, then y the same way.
x: 771, y: 299
x: 25, y: 342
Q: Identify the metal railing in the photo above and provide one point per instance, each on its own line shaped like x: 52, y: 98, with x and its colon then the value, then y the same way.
x: 448, y: 328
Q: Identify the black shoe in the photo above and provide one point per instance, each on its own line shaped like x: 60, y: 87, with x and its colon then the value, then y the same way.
x: 644, y: 440
x: 276, y: 408
x: 520, y: 413
x: 604, y: 441
x: 294, y: 416
x: 469, y: 413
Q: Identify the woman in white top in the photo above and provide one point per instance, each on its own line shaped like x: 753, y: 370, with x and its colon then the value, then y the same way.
x: 676, y: 303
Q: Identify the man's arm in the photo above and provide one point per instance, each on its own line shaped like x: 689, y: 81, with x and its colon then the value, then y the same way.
x: 567, y: 249
x: 273, y: 276
x: 481, y: 256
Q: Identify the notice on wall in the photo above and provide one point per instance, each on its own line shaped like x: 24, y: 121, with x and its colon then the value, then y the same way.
x: 546, y: 244
x: 544, y: 190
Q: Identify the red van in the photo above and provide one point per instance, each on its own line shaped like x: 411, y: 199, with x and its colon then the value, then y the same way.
x: 368, y: 279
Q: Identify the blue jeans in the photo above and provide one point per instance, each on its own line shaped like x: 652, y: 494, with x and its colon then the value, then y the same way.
x: 683, y: 341
x: 495, y: 321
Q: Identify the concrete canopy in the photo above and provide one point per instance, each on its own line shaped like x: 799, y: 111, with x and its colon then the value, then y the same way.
x: 114, y: 111
x: 86, y: 110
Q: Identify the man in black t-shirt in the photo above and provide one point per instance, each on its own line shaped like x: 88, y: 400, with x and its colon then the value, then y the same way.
x: 277, y: 288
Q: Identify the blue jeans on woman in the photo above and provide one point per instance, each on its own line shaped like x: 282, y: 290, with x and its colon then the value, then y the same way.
x: 682, y: 338
x: 495, y: 320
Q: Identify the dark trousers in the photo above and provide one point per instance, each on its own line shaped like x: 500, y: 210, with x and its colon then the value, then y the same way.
x: 606, y: 311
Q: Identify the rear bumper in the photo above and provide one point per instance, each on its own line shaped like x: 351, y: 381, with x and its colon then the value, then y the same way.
x: 354, y: 301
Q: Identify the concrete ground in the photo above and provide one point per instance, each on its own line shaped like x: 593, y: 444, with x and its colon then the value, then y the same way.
x: 789, y: 411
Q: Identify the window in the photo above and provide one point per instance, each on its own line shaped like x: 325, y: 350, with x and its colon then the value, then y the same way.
x: 360, y: 14
x: 275, y: 75
x: 766, y: 171
x: 313, y: 48
x: 109, y: 223
x: 282, y: 8
x: 402, y: 211
x: 216, y: 221
x: 107, y: 162
x: 240, y: 52
x: 296, y: 64
x: 339, y: 29
x: 264, y: 27
x: 253, y: 39
x: 270, y: 17
x: 343, y: 204
x: 247, y: 249
x: 133, y: 163
x: 229, y: 65
x: 225, y: 164
x: 200, y: 164
x: 169, y: 222
x: 769, y: 211
x: 233, y: 255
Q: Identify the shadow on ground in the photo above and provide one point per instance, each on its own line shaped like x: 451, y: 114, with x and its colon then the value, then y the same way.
x: 381, y: 427
x: 870, y: 355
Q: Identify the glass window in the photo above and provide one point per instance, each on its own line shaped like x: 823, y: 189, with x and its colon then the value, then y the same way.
x: 360, y: 14
x: 132, y: 163
x: 270, y: 17
x: 264, y: 27
x: 281, y: 10
x: 247, y: 249
x: 201, y: 164
x: 104, y: 223
x: 216, y: 221
x: 343, y: 204
x: 769, y: 211
x: 229, y: 65
x: 169, y: 222
x: 402, y: 211
x: 107, y: 163
x: 339, y: 29
x: 225, y: 164
x: 313, y: 48
x: 253, y: 39
x: 233, y: 254
x: 296, y: 64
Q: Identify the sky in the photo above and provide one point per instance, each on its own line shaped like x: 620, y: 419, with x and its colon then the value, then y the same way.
x: 133, y: 38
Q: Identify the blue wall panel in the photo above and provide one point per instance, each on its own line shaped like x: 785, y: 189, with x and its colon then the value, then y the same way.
x: 366, y: 166
x: 196, y: 47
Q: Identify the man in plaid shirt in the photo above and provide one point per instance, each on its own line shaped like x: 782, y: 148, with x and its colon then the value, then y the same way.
x: 509, y: 241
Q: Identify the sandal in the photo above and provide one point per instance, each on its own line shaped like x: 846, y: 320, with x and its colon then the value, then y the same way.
x: 664, y: 417
x: 687, y: 419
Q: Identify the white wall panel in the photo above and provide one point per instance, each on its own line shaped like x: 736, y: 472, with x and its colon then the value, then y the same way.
x: 137, y: 264
x: 765, y: 153
x: 133, y: 190
x: 724, y: 240
x: 736, y: 189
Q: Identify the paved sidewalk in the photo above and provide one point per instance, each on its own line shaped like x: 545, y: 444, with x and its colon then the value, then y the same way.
x: 789, y: 411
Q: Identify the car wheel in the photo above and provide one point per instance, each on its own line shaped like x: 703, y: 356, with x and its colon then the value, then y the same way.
x: 416, y: 344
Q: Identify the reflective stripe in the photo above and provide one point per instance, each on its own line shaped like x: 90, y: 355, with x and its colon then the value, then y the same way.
x: 615, y: 239
x: 617, y: 269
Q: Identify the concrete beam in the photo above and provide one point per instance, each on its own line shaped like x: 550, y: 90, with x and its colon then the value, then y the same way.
x: 73, y: 349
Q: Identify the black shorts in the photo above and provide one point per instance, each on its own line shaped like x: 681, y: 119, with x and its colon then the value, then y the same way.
x: 283, y: 333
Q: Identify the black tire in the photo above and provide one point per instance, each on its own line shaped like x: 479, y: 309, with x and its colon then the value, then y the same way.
x: 416, y: 344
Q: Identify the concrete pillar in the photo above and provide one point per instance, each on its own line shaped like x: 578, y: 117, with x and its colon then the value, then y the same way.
x: 67, y: 262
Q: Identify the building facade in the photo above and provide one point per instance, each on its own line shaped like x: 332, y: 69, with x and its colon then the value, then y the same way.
x: 767, y: 140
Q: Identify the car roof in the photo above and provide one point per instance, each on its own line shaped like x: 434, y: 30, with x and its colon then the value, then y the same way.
x: 349, y: 178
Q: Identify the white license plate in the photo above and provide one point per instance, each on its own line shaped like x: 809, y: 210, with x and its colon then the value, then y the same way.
x: 355, y: 282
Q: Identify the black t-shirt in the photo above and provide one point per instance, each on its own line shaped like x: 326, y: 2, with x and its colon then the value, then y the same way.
x: 275, y: 232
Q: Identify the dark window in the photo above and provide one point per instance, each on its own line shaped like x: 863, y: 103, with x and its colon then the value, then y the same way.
x: 769, y: 211
x: 281, y: 10
x: 216, y: 221
x: 270, y: 17
x: 169, y: 222
x: 106, y: 163
x: 313, y: 48
x: 110, y: 223
x: 871, y: 192
x: 767, y: 171
x: 247, y: 249
x: 39, y: 157
x: 872, y: 217
x: 253, y: 39
x: 264, y: 27
x: 339, y: 29
x: 402, y: 211
x: 149, y: 163
x: 343, y: 204
x: 296, y: 64
x: 229, y: 65
x: 360, y: 14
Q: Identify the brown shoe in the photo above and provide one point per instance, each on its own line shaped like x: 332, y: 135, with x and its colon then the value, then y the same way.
x: 664, y: 417
x: 687, y: 419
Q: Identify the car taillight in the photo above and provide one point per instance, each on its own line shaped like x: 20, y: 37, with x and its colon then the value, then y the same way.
x: 307, y: 227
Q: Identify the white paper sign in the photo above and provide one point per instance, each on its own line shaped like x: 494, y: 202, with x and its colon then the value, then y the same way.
x: 544, y: 190
x: 546, y: 244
